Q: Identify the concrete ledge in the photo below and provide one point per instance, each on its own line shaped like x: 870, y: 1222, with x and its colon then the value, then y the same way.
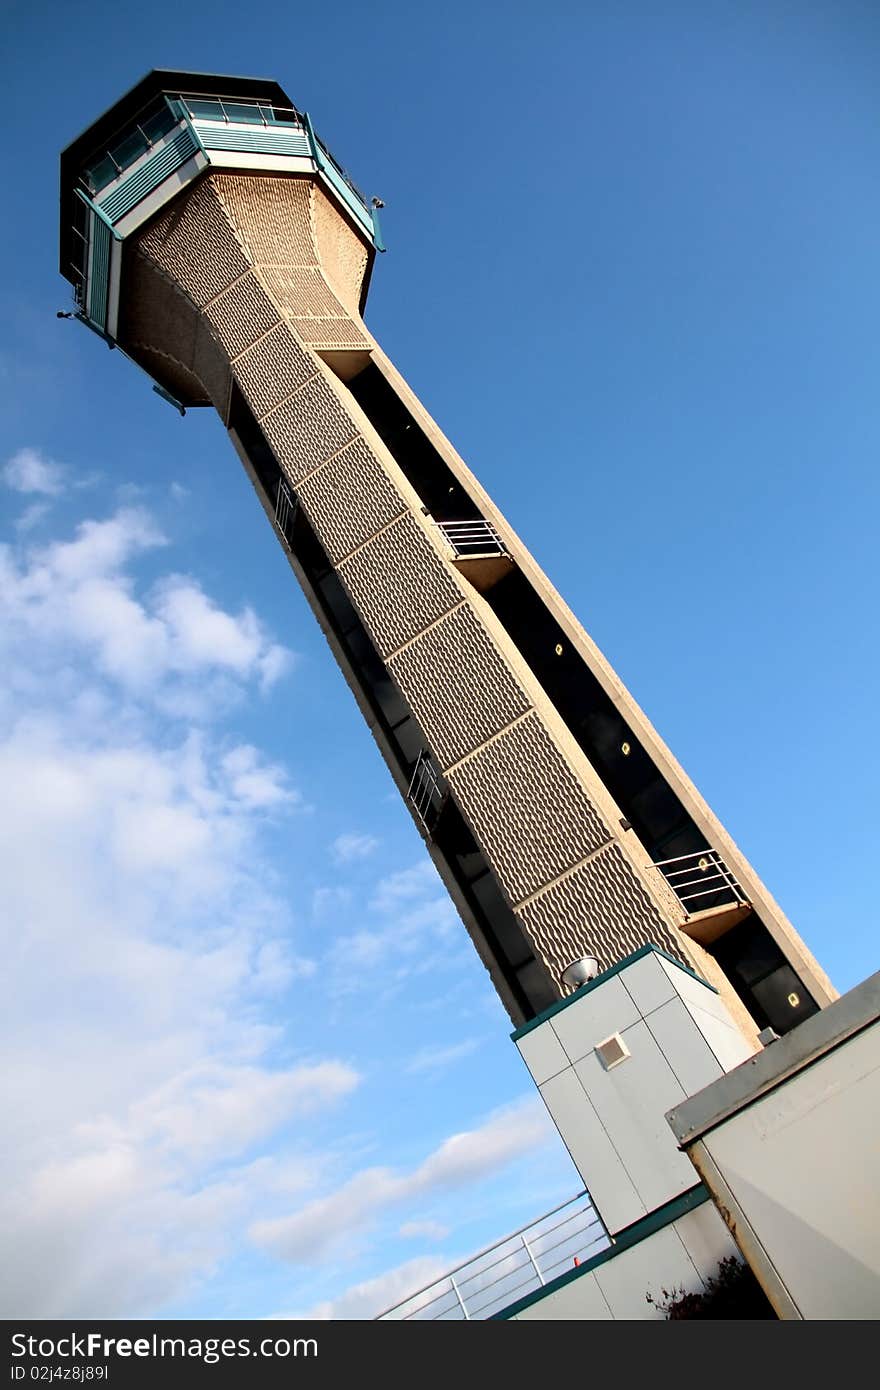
x: 753, y: 1078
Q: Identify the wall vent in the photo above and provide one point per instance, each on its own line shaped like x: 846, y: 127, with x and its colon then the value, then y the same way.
x: 612, y: 1051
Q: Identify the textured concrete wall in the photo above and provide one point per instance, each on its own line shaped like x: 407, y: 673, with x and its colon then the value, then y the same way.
x: 246, y: 278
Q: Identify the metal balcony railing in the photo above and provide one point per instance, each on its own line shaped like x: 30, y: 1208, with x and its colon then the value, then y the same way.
x: 426, y: 792
x: 285, y: 511
x: 238, y: 110
x: 147, y: 149
x: 506, y: 1271
x: 701, y: 880
x: 476, y: 537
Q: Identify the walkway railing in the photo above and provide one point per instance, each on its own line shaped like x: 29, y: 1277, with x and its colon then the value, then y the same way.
x: 425, y: 790
x: 285, y: 511
x: 476, y: 537
x: 701, y: 880
x: 513, y: 1267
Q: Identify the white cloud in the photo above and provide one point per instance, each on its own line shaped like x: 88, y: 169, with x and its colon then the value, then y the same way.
x: 410, y: 928
x: 201, y: 635
x: 348, y: 848
x: 142, y: 936
x: 316, y: 1231
x: 423, y: 1230
x: 219, y: 1109
x: 32, y: 516
x: 373, y: 1296
x: 328, y: 900
x: 171, y: 642
x: 438, y: 1058
x: 403, y: 886
x: 30, y: 471
x: 254, y: 782
x: 139, y: 944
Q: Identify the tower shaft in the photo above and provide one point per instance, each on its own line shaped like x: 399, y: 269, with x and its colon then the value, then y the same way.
x: 560, y: 823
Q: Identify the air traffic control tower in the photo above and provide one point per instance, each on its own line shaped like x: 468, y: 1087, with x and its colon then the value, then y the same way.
x: 211, y: 235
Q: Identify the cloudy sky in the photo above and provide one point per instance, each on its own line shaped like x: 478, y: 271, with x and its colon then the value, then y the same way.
x: 252, y: 1065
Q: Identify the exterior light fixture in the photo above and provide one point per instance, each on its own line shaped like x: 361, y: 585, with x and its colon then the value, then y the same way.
x: 579, y: 972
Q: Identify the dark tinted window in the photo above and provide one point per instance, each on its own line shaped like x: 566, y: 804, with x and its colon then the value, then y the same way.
x: 243, y: 111
x: 99, y: 174
x: 204, y: 110
x: 130, y: 148
x: 159, y: 124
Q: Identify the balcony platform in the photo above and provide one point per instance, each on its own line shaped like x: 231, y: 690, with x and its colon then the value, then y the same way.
x: 478, y: 552
x: 482, y: 571
x: 707, y: 926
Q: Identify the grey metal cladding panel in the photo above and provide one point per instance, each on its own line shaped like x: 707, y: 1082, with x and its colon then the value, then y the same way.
x: 308, y: 428
x: 253, y: 141
x: 194, y: 243
x: 242, y: 314
x: 399, y: 584
x: 349, y: 499
x: 601, y: 910
x: 531, y: 815
x: 272, y: 370
x: 458, y: 685
x: 136, y: 184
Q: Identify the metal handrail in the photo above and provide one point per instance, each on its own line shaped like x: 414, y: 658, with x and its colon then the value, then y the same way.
x: 474, y: 536
x: 538, y: 1272
x: 703, y: 871
x: 286, y: 504
x: 519, y: 1260
x: 453, y: 1289
x: 424, y: 786
x: 296, y: 120
x: 256, y: 102
x: 342, y: 171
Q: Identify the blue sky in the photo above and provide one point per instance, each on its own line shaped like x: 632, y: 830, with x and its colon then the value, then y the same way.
x: 253, y: 1064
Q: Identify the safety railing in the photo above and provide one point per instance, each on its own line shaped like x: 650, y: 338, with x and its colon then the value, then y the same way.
x: 520, y: 1263
x: 230, y: 123
x: 343, y: 172
x: 475, y: 537
x: 701, y: 880
x: 238, y: 110
x: 151, y: 127
x: 426, y: 792
x: 285, y: 511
